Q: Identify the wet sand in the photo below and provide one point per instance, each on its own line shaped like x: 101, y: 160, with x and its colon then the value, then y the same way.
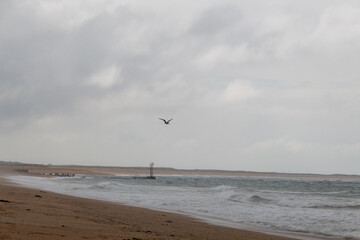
x: 33, y: 214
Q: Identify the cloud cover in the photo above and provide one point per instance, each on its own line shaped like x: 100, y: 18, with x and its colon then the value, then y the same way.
x: 251, y: 85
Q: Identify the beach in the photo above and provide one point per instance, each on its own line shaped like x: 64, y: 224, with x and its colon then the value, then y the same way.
x: 28, y: 213
x: 35, y: 214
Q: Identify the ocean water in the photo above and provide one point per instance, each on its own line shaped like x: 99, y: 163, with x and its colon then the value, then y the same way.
x: 319, y: 207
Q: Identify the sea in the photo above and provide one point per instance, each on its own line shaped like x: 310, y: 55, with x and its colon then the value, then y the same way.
x: 322, y: 208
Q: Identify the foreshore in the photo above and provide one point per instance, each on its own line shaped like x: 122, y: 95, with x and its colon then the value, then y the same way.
x: 34, y: 214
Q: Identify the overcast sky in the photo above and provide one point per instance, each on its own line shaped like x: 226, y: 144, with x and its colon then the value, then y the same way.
x: 252, y: 85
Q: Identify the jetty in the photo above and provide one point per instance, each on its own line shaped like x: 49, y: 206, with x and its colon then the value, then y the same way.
x: 151, y: 176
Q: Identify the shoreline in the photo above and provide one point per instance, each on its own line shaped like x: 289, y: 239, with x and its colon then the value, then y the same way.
x: 213, y: 221
x: 46, y: 170
x: 193, y: 222
x: 35, y: 214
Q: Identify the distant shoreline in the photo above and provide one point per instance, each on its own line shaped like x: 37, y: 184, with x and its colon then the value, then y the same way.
x: 37, y: 169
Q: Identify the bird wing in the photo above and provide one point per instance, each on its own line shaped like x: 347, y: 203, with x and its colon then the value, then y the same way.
x: 169, y: 120
x: 162, y: 119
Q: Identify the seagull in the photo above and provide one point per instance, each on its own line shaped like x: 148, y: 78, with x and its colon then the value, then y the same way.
x: 166, y: 121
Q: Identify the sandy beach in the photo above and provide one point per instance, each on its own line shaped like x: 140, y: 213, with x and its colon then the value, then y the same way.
x: 34, y: 214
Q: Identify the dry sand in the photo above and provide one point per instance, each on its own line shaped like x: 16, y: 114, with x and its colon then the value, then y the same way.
x: 33, y: 214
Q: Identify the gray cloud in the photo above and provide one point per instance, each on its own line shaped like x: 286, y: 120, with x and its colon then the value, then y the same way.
x: 256, y: 86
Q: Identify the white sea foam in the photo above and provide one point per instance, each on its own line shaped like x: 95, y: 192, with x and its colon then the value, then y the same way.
x: 328, y: 208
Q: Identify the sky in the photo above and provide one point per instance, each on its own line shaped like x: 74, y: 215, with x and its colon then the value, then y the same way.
x: 251, y: 85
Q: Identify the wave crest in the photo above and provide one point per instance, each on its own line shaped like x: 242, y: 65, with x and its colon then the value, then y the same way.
x: 326, y: 206
x: 259, y: 199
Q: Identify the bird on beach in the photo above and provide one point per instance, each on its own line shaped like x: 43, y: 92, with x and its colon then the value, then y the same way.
x: 166, y: 121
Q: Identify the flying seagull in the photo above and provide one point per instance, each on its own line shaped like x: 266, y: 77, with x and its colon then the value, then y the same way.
x: 166, y: 121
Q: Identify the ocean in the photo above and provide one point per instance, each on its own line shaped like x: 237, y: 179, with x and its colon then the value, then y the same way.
x: 317, y: 207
